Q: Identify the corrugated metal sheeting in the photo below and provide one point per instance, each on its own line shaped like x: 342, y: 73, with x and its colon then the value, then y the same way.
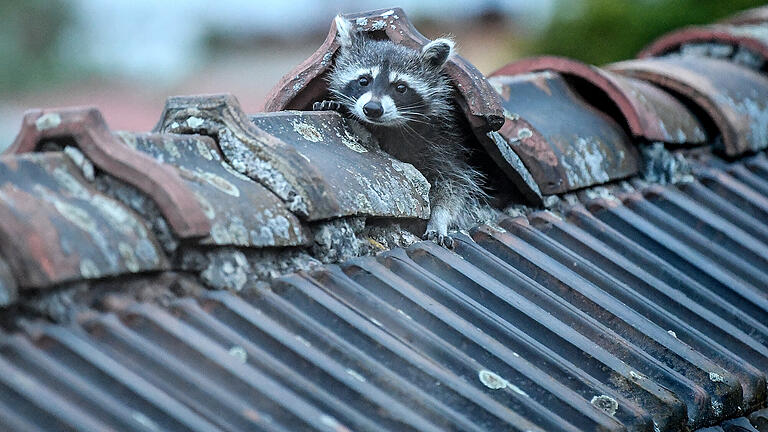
x: 616, y: 315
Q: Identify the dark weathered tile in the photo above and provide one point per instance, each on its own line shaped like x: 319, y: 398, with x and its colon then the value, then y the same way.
x: 56, y: 227
x: 241, y: 211
x: 565, y: 142
x: 319, y: 163
x: 733, y: 97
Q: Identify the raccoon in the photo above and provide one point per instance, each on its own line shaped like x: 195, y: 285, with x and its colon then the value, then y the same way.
x: 404, y: 98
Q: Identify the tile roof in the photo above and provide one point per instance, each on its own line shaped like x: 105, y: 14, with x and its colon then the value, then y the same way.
x: 746, y: 44
x: 172, y: 280
x: 734, y: 97
x: 642, y: 108
x: 566, y: 143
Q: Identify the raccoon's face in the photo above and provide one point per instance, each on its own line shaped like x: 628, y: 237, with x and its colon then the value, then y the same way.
x: 382, y: 96
x: 386, y: 84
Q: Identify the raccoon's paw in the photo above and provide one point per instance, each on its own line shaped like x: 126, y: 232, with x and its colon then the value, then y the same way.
x: 442, y: 239
x: 327, y: 105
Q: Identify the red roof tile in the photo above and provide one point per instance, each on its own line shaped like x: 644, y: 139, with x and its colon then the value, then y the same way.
x: 645, y: 110
x: 734, y: 97
x: 566, y: 143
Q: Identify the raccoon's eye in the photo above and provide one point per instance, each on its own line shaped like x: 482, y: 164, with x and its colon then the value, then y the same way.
x: 363, y: 81
x: 401, y: 88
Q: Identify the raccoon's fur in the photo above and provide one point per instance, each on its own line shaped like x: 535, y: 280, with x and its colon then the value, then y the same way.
x: 403, y: 97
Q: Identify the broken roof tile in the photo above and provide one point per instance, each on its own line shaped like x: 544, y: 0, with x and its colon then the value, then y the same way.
x: 746, y: 44
x: 564, y: 142
x: 500, y: 151
x: 86, y: 128
x: 321, y: 164
x: 242, y: 212
x: 306, y: 83
x: 55, y: 227
x: 643, y: 109
x: 735, y: 98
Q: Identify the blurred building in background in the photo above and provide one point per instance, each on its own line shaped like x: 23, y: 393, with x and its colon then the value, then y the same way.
x: 127, y: 56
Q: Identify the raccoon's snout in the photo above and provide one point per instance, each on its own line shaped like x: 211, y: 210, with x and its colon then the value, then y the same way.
x: 373, y: 109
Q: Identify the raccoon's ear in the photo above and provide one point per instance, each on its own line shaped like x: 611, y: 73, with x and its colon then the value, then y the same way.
x: 345, y: 31
x: 437, y: 52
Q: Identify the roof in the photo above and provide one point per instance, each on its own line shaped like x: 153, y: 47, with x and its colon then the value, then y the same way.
x: 229, y: 271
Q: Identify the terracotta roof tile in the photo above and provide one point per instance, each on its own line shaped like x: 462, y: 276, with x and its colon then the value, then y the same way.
x: 566, y: 143
x: 90, y: 134
x: 645, y: 110
x: 746, y: 45
x: 242, y: 212
x: 56, y: 227
x: 320, y: 164
x: 733, y: 97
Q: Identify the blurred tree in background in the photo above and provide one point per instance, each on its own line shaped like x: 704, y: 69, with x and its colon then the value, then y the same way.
x: 602, y: 31
x: 29, y: 36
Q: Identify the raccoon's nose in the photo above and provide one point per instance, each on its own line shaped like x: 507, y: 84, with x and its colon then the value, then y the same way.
x: 373, y: 109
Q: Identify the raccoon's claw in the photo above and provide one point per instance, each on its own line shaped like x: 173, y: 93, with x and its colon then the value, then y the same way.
x: 326, y: 105
x: 442, y: 239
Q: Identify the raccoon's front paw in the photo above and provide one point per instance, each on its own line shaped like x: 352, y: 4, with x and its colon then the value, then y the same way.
x: 327, y: 105
x: 442, y: 239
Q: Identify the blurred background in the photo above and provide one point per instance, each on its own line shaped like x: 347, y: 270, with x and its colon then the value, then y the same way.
x: 127, y: 56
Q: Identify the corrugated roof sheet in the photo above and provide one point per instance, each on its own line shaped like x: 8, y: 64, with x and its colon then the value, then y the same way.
x: 607, y: 316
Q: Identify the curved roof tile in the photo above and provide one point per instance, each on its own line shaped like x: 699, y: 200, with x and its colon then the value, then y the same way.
x: 55, y: 227
x: 87, y: 128
x: 734, y: 97
x: 564, y: 142
x: 720, y: 41
x: 645, y: 110
x: 241, y: 211
x: 319, y: 163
